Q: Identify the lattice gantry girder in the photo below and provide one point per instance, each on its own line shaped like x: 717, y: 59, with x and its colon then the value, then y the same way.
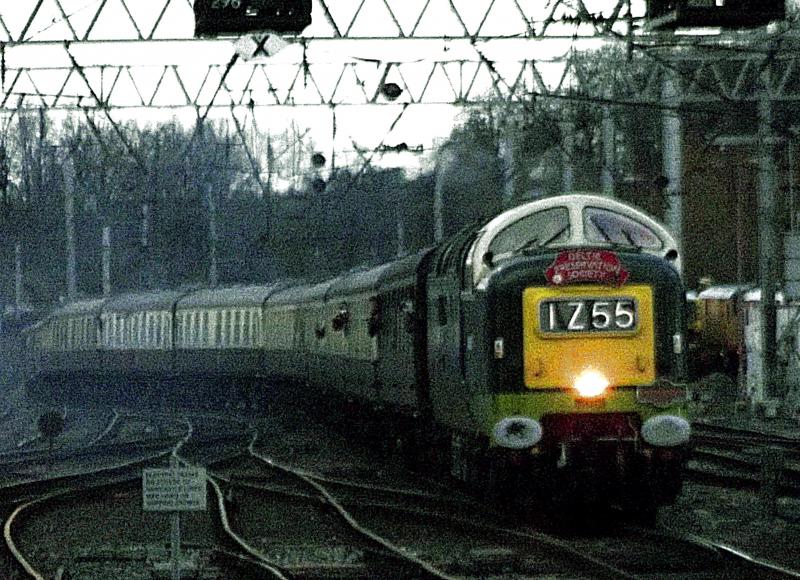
x: 432, y: 72
x: 82, y: 20
x: 749, y: 77
x: 461, y: 74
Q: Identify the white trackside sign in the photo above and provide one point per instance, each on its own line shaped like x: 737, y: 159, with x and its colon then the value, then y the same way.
x: 174, y: 489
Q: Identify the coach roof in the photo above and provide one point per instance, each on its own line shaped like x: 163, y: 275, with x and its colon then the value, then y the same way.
x: 80, y: 307
x: 231, y: 296
x: 141, y: 301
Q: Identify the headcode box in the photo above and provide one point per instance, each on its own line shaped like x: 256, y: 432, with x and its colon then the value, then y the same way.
x: 174, y: 489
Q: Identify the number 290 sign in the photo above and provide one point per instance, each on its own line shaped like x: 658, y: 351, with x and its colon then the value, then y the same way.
x: 174, y: 489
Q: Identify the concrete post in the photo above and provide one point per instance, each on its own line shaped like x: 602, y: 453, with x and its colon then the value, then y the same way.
x: 567, y: 152
x: 445, y: 159
x: 69, y: 219
x: 401, y: 233
x: 106, y: 257
x: 609, y: 153
x: 145, y: 225
x: 213, y: 277
x: 672, y: 157
x: 18, y: 280
x: 768, y: 244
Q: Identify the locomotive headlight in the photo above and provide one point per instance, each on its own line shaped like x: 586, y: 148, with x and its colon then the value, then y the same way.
x: 591, y: 383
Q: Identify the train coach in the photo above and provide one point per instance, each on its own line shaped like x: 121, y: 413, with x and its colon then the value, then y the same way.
x: 544, y: 347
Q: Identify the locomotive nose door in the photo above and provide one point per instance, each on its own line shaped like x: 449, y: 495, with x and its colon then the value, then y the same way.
x: 569, y: 331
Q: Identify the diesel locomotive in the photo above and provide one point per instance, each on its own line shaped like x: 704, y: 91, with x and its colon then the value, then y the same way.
x: 542, y: 349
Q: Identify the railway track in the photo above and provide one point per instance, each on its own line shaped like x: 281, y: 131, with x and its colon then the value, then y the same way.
x: 736, y: 437
x: 320, y: 508
x: 745, y: 459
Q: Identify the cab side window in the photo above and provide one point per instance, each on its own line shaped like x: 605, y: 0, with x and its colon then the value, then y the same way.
x: 441, y: 310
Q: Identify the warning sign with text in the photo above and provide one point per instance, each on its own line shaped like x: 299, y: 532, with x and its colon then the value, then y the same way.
x: 174, y: 489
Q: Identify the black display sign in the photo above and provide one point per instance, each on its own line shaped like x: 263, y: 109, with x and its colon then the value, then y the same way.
x: 219, y: 17
x: 606, y: 314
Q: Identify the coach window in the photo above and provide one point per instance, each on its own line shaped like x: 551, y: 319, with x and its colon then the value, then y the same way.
x: 441, y: 310
x: 121, y: 325
x: 206, y: 334
x: 246, y: 328
x: 198, y: 329
x: 153, y: 326
x: 237, y: 327
x: 253, y: 326
x: 227, y: 336
x: 140, y: 328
